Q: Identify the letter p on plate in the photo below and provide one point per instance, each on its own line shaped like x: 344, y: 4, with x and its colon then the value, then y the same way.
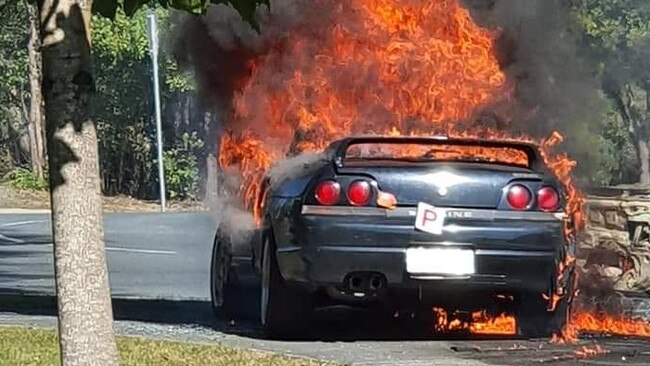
x: 429, y: 218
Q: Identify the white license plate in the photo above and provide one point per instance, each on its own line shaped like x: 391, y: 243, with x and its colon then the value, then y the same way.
x: 430, y: 219
x: 441, y: 261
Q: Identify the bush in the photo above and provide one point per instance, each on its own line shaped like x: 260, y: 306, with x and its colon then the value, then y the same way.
x: 25, y: 179
x: 181, y: 168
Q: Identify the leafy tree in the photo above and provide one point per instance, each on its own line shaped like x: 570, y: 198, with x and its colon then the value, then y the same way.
x: 13, y: 89
x: 623, y: 167
x: 85, y: 314
x: 618, y: 35
x: 21, y: 127
x: 123, y: 104
x: 20, y: 68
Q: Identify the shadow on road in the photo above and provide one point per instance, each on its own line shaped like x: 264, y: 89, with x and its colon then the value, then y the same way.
x: 338, y: 324
x: 154, y: 311
x: 346, y: 325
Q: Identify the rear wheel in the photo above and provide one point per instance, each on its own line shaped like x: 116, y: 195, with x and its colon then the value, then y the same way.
x: 283, y: 311
x: 534, y: 320
x: 225, y: 293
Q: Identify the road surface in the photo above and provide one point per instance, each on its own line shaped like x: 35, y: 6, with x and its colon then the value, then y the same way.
x: 150, y: 255
x: 158, y: 265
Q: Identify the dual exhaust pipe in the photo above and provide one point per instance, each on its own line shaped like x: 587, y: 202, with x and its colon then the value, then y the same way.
x: 368, y: 283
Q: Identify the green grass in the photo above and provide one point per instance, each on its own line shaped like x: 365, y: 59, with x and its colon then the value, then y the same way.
x: 21, y: 346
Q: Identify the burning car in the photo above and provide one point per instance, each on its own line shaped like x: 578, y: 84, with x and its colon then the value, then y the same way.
x: 404, y: 220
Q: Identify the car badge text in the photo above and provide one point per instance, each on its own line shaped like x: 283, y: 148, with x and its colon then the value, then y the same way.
x: 459, y: 214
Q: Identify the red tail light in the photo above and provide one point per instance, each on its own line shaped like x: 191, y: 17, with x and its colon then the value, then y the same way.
x: 328, y: 192
x: 548, y: 199
x: 359, y: 193
x: 519, y: 197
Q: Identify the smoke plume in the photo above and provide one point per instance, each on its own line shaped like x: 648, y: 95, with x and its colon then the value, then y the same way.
x: 556, y: 85
x: 555, y: 88
x: 552, y: 86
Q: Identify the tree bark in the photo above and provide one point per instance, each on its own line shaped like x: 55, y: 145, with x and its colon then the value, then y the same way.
x: 644, y: 159
x: 35, y: 126
x: 84, y: 303
x: 641, y: 131
x: 209, y: 169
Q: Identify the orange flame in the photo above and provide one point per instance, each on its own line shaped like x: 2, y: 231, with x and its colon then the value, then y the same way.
x: 481, y: 323
x: 588, y: 322
x: 386, y: 66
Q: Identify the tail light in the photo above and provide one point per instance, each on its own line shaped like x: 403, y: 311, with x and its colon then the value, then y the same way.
x: 519, y: 197
x: 359, y: 193
x: 548, y: 199
x: 328, y: 192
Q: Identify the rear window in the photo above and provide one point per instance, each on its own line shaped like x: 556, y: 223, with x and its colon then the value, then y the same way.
x: 436, y: 152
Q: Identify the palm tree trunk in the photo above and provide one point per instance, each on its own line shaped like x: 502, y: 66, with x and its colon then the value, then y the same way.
x: 84, y: 303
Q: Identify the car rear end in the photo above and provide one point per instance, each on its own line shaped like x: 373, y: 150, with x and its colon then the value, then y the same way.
x: 371, y: 226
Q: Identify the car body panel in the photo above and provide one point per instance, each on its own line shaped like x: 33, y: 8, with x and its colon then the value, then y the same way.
x: 514, y: 250
x: 479, y: 184
x: 318, y: 246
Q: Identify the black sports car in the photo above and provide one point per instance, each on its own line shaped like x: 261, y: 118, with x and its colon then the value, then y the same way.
x: 402, y: 220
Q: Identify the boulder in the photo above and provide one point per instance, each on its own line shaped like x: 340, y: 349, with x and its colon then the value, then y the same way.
x: 614, y: 250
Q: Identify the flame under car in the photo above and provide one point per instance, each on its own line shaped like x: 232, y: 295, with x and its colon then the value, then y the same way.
x: 403, y: 220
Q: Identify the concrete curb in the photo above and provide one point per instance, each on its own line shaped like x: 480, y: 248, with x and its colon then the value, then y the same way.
x: 23, y: 211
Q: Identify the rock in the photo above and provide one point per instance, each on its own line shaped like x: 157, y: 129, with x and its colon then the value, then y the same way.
x: 616, y: 240
x: 612, y: 272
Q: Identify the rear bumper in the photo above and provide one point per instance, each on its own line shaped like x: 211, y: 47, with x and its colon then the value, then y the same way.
x: 513, y: 250
x: 329, y: 265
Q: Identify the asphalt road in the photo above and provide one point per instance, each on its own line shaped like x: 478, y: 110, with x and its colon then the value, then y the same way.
x: 150, y: 255
x: 158, y: 265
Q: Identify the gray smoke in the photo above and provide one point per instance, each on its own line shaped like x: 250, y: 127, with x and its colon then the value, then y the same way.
x: 557, y: 87
x: 295, y: 166
x: 234, y: 221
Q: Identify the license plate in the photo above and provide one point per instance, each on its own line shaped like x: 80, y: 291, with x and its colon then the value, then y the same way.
x: 442, y: 261
x: 430, y: 219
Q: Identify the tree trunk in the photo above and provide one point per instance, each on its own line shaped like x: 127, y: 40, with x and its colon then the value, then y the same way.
x: 644, y: 143
x: 644, y: 159
x: 35, y: 126
x: 84, y: 303
x: 209, y: 168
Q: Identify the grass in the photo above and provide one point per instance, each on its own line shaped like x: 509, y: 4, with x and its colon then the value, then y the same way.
x: 20, y: 346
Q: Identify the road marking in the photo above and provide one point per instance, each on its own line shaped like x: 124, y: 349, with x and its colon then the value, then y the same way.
x: 13, y: 240
x: 113, y: 249
x: 144, y: 251
x: 19, y: 223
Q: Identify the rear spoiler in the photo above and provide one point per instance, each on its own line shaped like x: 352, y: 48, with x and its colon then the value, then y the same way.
x: 338, y: 149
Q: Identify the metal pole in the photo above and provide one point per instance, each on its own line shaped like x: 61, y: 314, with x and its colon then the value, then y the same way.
x: 152, y: 24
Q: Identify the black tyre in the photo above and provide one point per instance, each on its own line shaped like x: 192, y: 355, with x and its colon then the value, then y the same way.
x: 283, y: 311
x: 534, y: 320
x: 226, y: 295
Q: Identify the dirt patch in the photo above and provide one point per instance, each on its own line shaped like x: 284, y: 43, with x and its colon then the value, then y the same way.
x: 12, y: 198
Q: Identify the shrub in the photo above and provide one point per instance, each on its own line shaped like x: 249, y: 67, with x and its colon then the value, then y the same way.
x: 25, y: 179
x: 181, y: 168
